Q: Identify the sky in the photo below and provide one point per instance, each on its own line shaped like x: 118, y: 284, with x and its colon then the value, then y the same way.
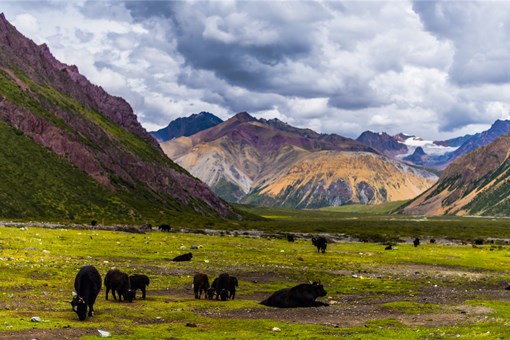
x: 432, y: 69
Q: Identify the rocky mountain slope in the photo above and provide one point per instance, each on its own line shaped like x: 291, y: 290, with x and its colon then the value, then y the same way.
x: 272, y: 163
x: 89, y: 142
x: 383, y: 142
x: 186, y: 126
x: 432, y: 154
x: 477, y: 183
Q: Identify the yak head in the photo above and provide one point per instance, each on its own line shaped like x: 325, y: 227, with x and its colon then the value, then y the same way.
x: 129, y: 296
x: 318, y: 289
x: 79, y: 306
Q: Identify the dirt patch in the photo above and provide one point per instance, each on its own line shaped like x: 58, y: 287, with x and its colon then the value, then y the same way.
x: 49, y: 334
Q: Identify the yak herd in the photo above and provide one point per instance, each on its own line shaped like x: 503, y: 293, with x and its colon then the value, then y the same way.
x: 87, y: 284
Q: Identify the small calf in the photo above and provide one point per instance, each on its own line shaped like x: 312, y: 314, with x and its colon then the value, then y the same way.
x: 139, y: 281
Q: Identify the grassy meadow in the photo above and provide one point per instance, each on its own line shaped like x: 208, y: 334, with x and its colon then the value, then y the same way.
x: 442, y: 290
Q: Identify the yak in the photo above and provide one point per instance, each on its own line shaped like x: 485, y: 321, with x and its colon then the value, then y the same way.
x: 118, y: 282
x: 87, y: 284
x: 183, y: 257
x: 200, y: 285
x: 221, y: 286
x: 164, y: 227
x: 138, y: 281
x: 302, y: 295
x: 232, y: 287
x: 321, y: 243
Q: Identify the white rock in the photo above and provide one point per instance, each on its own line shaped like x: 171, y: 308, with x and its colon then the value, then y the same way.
x: 103, y: 334
x: 276, y: 329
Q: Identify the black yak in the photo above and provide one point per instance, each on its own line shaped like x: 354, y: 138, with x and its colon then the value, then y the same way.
x: 321, y: 243
x: 290, y: 237
x: 221, y: 286
x: 138, y: 281
x: 183, y: 257
x: 200, y: 284
x: 87, y: 284
x: 164, y: 227
x: 118, y: 282
x: 232, y: 287
x: 416, y: 242
x: 302, y: 295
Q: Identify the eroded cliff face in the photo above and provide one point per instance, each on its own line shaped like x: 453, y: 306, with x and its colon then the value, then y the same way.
x: 98, y: 133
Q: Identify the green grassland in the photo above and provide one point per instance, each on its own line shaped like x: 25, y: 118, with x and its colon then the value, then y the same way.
x: 445, y: 290
x: 375, y: 227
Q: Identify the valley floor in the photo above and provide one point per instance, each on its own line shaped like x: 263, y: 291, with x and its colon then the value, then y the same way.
x: 442, y: 290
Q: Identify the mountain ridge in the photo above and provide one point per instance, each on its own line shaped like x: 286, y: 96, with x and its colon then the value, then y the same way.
x: 245, y: 158
x: 97, y: 133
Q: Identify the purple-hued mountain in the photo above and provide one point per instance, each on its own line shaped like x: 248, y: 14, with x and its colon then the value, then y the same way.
x: 383, y: 142
x: 456, y: 142
x: 186, y: 126
x: 89, y: 134
x: 498, y: 129
x: 271, y: 163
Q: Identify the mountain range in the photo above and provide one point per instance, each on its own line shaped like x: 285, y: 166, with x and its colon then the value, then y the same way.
x: 477, y: 183
x: 433, y: 154
x: 269, y: 162
x: 72, y: 151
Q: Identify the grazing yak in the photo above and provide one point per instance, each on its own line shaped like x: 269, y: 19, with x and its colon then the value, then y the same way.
x: 87, y: 284
x: 290, y: 237
x: 200, y: 284
x: 416, y: 242
x: 164, y: 227
x: 209, y: 294
x: 183, y: 257
x: 221, y: 286
x: 302, y: 295
x: 118, y: 282
x: 321, y: 243
x: 138, y: 281
x: 232, y: 287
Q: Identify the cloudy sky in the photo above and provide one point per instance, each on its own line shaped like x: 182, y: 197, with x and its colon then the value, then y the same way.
x: 433, y: 69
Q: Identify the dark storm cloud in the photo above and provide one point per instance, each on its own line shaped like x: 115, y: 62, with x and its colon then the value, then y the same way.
x: 246, y: 49
x: 145, y: 9
x: 423, y: 68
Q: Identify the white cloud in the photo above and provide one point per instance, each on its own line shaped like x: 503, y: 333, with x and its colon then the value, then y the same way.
x: 431, y: 69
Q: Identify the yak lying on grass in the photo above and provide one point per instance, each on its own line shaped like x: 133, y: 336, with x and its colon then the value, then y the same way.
x: 87, y: 284
x: 138, y: 281
x: 118, y: 282
x: 183, y: 257
x: 302, y: 295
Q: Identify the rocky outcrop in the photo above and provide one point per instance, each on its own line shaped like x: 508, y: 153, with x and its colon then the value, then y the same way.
x: 383, y: 142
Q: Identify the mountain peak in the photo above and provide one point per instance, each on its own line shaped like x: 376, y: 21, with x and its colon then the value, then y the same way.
x: 187, y: 126
x: 244, y: 117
